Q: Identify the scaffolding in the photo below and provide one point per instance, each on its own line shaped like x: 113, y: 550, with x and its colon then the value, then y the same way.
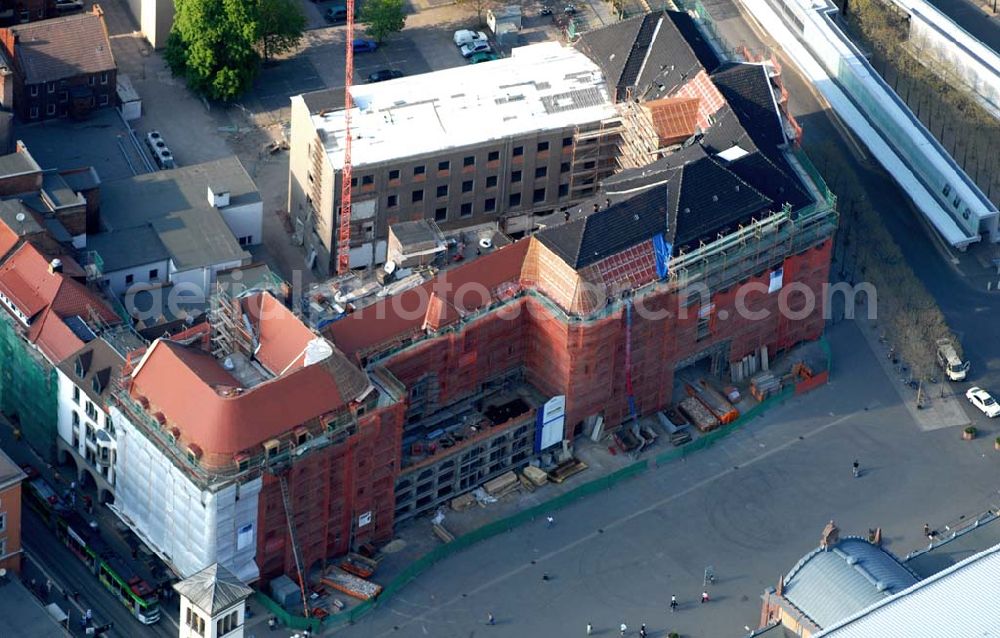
x: 28, y: 389
x: 595, y: 156
x: 231, y: 330
x: 640, y: 142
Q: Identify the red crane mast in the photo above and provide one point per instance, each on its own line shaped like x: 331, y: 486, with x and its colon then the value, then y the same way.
x: 344, y: 221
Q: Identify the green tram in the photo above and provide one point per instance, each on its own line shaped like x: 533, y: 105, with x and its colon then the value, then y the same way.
x: 86, y: 543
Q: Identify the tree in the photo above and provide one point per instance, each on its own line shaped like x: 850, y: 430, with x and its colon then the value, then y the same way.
x: 280, y: 24
x: 383, y: 17
x: 212, y: 45
x: 480, y: 7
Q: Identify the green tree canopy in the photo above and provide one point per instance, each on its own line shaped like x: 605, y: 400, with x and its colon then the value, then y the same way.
x: 216, y: 45
x: 383, y: 17
x: 280, y: 25
x: 213, y: 46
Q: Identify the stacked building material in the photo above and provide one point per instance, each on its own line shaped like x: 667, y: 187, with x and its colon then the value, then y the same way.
x: 536, y: 475
x: 763, y: 385
x: 502, y: 485
x: 696, y: 412
x: 463, y: 502
x: 350, y: 584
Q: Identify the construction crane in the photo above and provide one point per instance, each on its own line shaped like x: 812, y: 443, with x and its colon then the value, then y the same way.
x: 344, y: 224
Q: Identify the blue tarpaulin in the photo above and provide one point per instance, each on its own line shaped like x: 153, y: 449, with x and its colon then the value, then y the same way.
x: 662, y: 249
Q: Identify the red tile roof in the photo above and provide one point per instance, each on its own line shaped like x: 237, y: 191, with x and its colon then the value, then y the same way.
x: 675, y: 119
x: 464, y: 288
x: 205, y: 402
x: 283, y: 337
x: 48, y: 298
x: 8, y: 239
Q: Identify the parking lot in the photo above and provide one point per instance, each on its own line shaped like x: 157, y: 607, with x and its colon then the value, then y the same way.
x: 424, y: 45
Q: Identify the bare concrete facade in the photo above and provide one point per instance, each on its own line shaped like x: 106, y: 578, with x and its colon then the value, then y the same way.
x: 517, y: 183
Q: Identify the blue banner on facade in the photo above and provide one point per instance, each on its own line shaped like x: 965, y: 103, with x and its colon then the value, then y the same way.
x: 662, y: 250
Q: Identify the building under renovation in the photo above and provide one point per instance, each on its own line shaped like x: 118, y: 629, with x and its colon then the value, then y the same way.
x: 252, y: 442
x: 588, y: 321
x: 257, y: 443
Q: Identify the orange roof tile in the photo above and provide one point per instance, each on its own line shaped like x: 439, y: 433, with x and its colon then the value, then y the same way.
x: 463, y: 289
x: 198, y: 396
x: 282, y: 336
x: 8, y: 239
x: 675, y: 119
x: 49, y: 298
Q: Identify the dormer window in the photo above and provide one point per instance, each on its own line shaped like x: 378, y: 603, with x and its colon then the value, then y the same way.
x: 79, y: 367
x: 96, y: 384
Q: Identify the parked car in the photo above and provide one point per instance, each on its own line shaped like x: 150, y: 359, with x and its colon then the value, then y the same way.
x: 466, y: 36
x: 982, y: 400
x: 475, y: 47
x: 384, y: 74
x: 361, y: 45
x: 335, y: 15
x: 482, y: 56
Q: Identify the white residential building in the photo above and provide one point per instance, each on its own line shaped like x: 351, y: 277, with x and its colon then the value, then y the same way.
x: 86, y: 432
x: 179, y: 226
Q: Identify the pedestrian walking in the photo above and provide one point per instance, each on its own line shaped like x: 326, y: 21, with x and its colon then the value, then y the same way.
x: 48, y: 586
x: 549, y: 521
x: 590, y: 629
x: 72, y: 486
x: 491, y: 619
x: 642, y: 631
x: 857, y: 468
x: 545, y: 576
x: 704, y: 597
x: 927, y: 530
x: 673, y: 604
x: 624, y: 628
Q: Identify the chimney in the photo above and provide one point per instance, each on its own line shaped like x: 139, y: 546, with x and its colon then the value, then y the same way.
x: 55, y: 266
x: 218, y: 197
x: 830, y: 537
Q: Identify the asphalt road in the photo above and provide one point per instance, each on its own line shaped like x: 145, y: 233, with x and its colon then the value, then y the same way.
x: 750, y: 507
x: 968, y: 308
x: 48, y: 558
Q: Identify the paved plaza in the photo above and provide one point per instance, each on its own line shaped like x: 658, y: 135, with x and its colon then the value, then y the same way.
x: 749, y: 507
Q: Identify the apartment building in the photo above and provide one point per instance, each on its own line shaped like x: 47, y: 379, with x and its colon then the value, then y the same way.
x: 11, y: 477
x: 511, y: 143
x: 62, y: 67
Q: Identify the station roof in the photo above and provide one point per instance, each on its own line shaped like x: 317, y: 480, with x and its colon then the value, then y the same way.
x: 963, y: 600
x: 831, y: 584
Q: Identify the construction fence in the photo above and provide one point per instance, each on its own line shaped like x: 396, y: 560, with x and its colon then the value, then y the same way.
x: 509, y: 523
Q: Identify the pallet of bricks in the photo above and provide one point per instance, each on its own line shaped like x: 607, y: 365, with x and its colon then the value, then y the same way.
x: 350, y: 584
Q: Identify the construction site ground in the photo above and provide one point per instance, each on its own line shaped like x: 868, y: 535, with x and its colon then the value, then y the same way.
x: 750, y: 507
x: 416, y: 538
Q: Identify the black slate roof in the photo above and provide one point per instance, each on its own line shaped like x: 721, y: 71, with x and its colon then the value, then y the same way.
x: 748, y: 91
x: 699, y: 46
x: 589, y: 239
x: 688, y: 195
x: 648, y: 54
x: 776, y: 180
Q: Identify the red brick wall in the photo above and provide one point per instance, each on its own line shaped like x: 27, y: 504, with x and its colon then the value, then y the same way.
x: 586, y: 361
x: 329, y: 489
